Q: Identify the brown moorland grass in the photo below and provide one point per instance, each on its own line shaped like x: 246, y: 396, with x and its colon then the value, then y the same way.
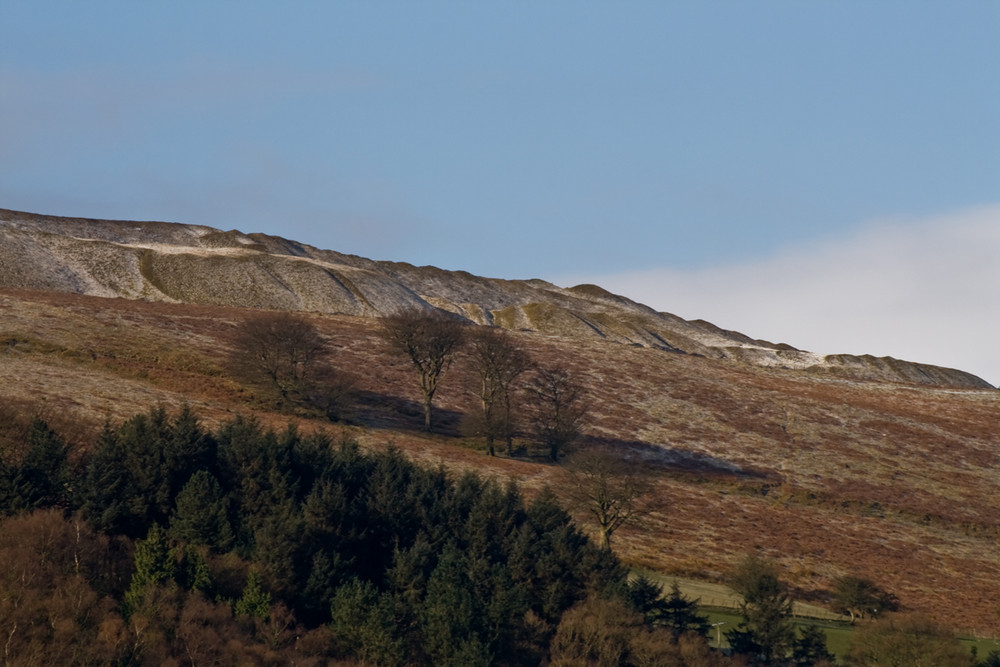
x: 827, y: 476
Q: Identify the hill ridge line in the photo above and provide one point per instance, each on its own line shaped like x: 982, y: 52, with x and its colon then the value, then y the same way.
x: 200, y: 264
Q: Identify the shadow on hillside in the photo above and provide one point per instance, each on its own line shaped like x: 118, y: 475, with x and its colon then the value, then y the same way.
x: 384, y: 411
x: 390, y: 412
x: 676, y: 460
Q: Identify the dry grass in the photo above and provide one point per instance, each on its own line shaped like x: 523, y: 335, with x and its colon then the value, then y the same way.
x: 828, y: 476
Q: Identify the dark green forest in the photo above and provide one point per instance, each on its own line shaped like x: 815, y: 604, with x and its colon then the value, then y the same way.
x: 167, y: 543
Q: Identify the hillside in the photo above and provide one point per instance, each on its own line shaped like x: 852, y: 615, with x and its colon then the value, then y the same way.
x: 828, y: 475
x: 176, y: 263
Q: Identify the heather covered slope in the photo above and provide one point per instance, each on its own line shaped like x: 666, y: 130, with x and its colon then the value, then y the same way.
x: 830, y: 476
x: 192, y: 264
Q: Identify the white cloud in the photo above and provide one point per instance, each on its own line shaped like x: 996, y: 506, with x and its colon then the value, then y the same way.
x: 922, y: 290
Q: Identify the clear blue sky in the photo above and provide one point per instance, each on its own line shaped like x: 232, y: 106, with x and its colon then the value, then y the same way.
x: 557, y: 139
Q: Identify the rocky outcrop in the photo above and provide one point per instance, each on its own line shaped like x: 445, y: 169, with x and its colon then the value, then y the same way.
x: 197, y: 264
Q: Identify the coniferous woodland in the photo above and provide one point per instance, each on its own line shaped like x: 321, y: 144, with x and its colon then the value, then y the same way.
x: 172, y: 544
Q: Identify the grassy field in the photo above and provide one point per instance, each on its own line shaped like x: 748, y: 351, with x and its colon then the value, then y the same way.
x: 712, y: 595
x: 719, y: 604
x: 839, y: 634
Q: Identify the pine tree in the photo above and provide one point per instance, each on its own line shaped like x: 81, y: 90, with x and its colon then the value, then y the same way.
x: 646, y: 597
x: 992, y: 659
x: 276, y: 543
x: 187, y: 449
x: 681, y: 614
x: 411, y: 568
x: 320, y: 585
x: 192, y: 571
x: 144, y: 441
x: 201, y: 515
x: 256, y: 467
x: 810, y: 648
x: 7, y: 473
x: 255, y: 602
x: 451, y: 615
x: 155, y: 565
x: 766, y: 632
x: 42, y: 479
x: 108, y: 489
x: 364, y: 625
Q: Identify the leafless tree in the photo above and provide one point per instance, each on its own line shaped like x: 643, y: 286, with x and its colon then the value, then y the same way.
x: 609, y: 488
x: 498, y: 362
x: 282, y: 347
x: 429, y: 339
x: 559, y: 404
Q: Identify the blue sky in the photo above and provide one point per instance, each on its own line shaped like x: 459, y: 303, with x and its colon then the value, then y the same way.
x: 731, y: 161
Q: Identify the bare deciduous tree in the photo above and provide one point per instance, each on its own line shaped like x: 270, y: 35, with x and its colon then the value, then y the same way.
x: 286, y: 352
x: 609, y: 489
x: 497, y: 362
x: 429, y: 339
x: 559, y: 408
x: 282, y: 347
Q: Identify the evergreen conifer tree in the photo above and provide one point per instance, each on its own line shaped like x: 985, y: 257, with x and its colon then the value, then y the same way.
x: 810, y: 648
x: 681, y: 614
x: 42, y: 479
x: 255, y: 602
x: 364, y: 625
x: 193, y: 572
x: 766, y: 631
x: 451, y: 615
x: 155, y: 565
x: 107, y: 488
x: 201, y: 514
x: 188, y: 448
x: 144, y: 441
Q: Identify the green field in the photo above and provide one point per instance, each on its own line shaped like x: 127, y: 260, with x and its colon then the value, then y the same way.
x: 838, y: 634
x: 719, y: 604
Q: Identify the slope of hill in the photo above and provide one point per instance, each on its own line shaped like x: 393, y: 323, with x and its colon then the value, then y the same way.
x: 833, y: 466
x: 829, y: 476
x: 178, y: 263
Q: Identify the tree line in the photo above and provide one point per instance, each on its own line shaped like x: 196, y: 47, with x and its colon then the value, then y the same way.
x: 168, y: 542
x: 285, y: 353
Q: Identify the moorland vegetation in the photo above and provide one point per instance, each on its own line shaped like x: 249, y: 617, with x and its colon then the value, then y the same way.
x: 163, y: 541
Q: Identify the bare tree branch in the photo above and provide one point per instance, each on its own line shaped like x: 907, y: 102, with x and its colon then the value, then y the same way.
x: 282, y: 347
x: 429, y: 339
x: 497, y: 362
x: 609, y: 489
x: 559, y: 408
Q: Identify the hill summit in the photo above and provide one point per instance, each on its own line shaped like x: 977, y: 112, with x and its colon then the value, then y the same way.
x: 196, y: 264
